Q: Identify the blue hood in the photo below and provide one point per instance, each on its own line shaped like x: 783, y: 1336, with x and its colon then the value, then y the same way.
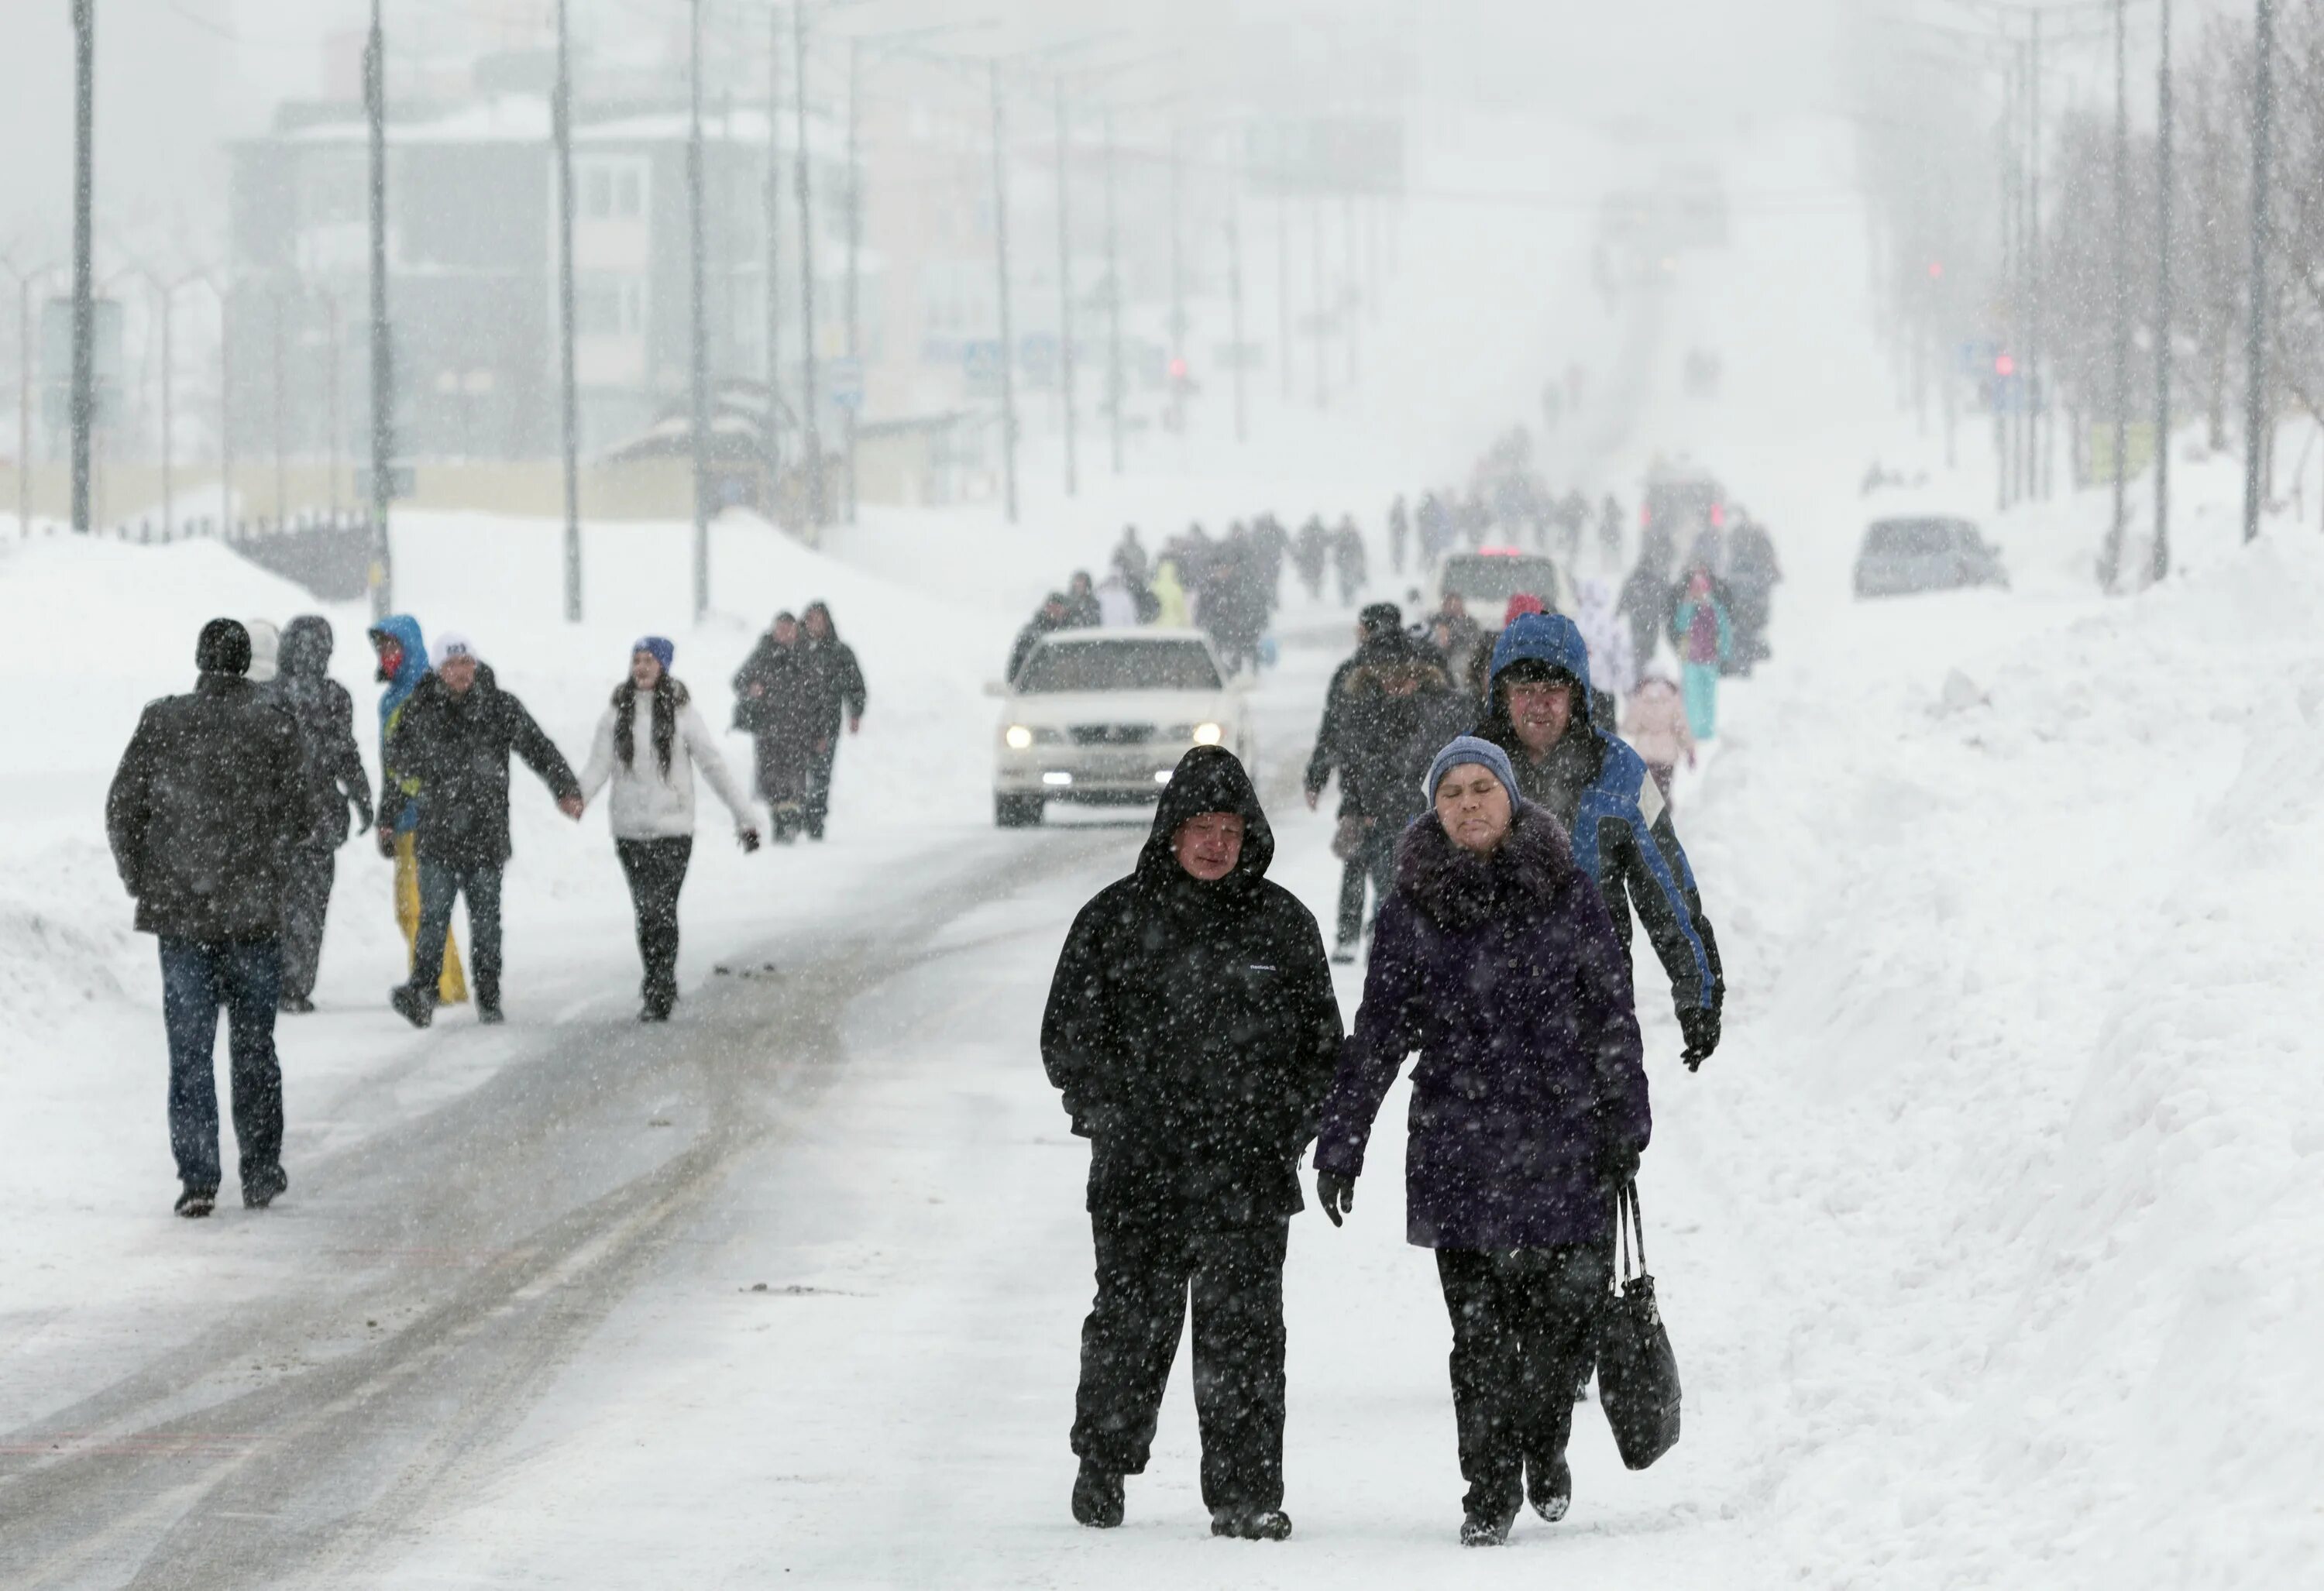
x: 1541, y: 638
x: 404, y: 630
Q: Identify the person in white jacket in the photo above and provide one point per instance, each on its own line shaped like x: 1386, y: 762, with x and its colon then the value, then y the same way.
x: 649, y: 744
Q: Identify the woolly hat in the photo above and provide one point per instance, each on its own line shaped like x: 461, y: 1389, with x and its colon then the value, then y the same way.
x: 450, y: 644
x: 1467, y: 750
x: 660, y: 646
x: 223, y: 649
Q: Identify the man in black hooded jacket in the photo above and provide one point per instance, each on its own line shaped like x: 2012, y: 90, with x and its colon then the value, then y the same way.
x: 335, y: 779
x: 1193, y: 1031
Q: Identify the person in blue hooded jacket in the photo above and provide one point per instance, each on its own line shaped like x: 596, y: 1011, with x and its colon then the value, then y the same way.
x: 1538, y: 711
x: 402, y: 658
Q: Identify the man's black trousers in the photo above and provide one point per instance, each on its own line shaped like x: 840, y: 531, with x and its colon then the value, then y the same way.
x: 1522, y: 1334
x: 656, y: 869
x: 1145, y: 1275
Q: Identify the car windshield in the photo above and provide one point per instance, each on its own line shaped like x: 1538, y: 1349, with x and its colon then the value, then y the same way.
x: 1914, y: 538
x: 1119, y: 666
x: 1478, y: 577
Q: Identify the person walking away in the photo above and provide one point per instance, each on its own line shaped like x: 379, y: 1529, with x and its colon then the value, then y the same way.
x: 1755, y: 574
x: 455, y: 736
x: 835, y: 692
x: 1378, y: 626
x: 1050, y: 618
x: 333, y: 770
x: 773, y: 705
x: 402, y: 658
x: 1399, y: 533
x: 1310, y: 549
x: 1613, y: 662
x: 1539, y: 712
x: 206, y: 808
x: 1705, y: 643
x: 1129, y: 557
x: 1654, y: 721
x: 1348, y: 559
x: 1645, y: 594
x: 1191, y: 1029
x: 1496, y: 961
x: 1082, y: 610
x: 1171, y: 610
x: 648, y: 745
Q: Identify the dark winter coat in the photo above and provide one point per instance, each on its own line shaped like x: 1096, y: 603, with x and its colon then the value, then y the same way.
x: 326, y: 716
x: 1041, y: 624
x: 1503, y: 973
x: 836, y: 683
x: 1192, y: 1027
x: 209, y: 801
x: 1598, y: 787
x: 775, y: 695
x: 458, y: 749
x: 1388, y: 741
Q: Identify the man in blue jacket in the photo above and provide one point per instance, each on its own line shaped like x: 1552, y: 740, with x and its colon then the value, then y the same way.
x: 1539, y: 713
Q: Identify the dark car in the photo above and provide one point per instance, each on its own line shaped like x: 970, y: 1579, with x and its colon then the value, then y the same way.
x: 1903, y: 556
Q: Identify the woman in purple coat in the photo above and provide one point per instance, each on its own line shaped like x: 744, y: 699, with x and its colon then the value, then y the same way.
x: 1494, y: 958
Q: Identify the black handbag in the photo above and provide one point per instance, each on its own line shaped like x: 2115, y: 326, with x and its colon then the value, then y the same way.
x: 1637, y: 1373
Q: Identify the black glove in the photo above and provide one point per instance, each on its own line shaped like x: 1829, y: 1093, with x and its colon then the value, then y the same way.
x: 1336, y: 1194
x: 1617, y: 1166
x: 1699, y: 1023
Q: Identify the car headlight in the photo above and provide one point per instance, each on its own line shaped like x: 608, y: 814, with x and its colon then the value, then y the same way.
x: 1208, y: 735
x: 1019, y: 737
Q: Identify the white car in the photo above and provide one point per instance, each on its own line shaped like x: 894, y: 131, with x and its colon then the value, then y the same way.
x: 1103, y: 716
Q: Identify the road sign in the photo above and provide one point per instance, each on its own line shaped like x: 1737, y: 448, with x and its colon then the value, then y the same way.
x: 843, y: 383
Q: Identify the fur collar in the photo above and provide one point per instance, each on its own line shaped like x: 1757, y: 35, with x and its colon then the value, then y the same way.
x: 1456, y: 890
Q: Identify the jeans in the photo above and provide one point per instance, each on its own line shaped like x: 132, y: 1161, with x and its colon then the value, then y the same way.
x: 246, y: 979
x: 1523, y: 1321
x: 656, y: 869
x: 1144, y: 1277
x: 306, y: 900
x: 440, y: 883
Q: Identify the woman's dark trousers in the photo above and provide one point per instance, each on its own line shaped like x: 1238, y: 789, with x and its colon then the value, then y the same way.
x: 1522, y: 1325
x: 656, y: 869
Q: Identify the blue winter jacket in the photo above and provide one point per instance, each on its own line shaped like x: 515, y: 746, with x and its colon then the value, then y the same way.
x: 399, y: 806
x: 1620, y: 827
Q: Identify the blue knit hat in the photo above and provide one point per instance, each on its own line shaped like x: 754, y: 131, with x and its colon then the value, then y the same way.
x: 1466, y: 750
x: 659, y: 646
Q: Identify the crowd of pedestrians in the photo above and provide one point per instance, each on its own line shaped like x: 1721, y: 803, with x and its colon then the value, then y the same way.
x: 231, y: 802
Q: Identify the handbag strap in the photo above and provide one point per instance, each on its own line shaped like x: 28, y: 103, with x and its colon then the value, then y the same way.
x: 1629, y: 1231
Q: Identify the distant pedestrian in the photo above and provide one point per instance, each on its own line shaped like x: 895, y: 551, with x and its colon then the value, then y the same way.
x: 334, y: 772
x: 1051, y: 617
x: 1191, y: 1028
x: 455, y: 736
x: 1082, y: 610
x: 836, y: 694
x: 1171, y: 609
x: 1348, y: 559
x: 209, y: 803
x: 1117, y: 604
x: 1311, y: 549
x: 1654, y: 721
x: 1399, y: 534
x: 402, y: 658
x: 1495, y: 958
x: 774, y: 704
x: 1705, y: 641
x: 648, y: 745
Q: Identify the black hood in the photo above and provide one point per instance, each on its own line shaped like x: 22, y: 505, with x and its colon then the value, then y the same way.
x: 1208, y: 778
x: 305, y: 654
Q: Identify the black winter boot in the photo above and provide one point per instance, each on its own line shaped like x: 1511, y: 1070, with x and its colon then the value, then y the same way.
x: 264, y: 1188
x: 1549, y: 1486
x: 417, y: 1006
x: 1475, y: 1531
x: 1264, y: 1524
x: 1097, y: 1497
x: 197, y: 1203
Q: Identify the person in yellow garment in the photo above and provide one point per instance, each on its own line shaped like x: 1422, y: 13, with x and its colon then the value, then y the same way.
x: 402, y: 664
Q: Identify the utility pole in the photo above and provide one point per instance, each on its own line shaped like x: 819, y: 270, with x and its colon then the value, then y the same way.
x: 1234, y: 312
x: 698, y: 356
x: 25, y: 402
x: 331, y: 397
x: 169, y: 500
x: 854, y: 250
x: 2163, y: 307
x: 1322, y: 320
x: 1001, y: 262
x: 569, y: 393
x: 818, y: 512
x: 2037, y: 385
x: 1351, y: 295
x: 1066, y: 293
x: 1112, y: 306
x: 280, y: 415
x: 2112, y: 564
x: 382, y: 356
x: 84, y: 304
x: 1177, y: 373
x: 1282, y: 337
x: 771, y: 202
x: 2254, y: 342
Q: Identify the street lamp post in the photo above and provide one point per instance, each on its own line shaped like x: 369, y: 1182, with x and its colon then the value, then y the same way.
x: 817, y: 509
x: 568, y: 391
x: 383, y: 369
x: 1001, y: 264
x: 84, y: 301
